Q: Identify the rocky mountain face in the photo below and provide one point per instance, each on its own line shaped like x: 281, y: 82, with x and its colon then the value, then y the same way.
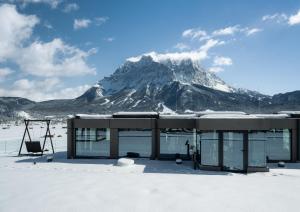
x: 11, y: 106
x: 164, y: 86
x: 167, y: 85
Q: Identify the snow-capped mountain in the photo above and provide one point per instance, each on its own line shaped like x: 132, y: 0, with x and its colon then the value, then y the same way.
x: 149, y: 84
x: 148, y: 73
x: 166, y: 85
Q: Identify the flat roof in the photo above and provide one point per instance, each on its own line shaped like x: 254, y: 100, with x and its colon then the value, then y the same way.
x: 208, y: 112
x: 293, y: 114
x: 289, y: 112
x: 283, y: 115
x: 135, y: 115
x: 96, y: 116
x: 178, y: 116
x: 227, y: 116
x: 198, y: 115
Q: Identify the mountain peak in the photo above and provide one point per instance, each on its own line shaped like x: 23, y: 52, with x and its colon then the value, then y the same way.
x: 95, y: 92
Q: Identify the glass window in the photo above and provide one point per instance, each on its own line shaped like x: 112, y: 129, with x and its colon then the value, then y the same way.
x: 173, y: 141
x: 279, y: 144
x: 233, y: 150
x: 135, y: 140
x: 92, y: 142
x: 209, y: 148
x: 256, y: 149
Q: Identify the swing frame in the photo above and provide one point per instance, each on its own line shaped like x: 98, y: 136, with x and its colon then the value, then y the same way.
x: 48, y: 134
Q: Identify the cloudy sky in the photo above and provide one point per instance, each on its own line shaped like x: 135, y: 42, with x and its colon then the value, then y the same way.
x: 58, y: 48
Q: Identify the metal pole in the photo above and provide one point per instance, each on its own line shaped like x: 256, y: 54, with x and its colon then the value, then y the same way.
x: 26, y: 125
x: 50, y: 137
x: 45, y: 138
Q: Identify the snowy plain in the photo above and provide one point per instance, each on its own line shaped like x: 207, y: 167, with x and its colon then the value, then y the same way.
x: 100, y: 185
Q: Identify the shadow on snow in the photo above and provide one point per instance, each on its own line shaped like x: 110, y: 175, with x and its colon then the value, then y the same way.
x: 150, y: 166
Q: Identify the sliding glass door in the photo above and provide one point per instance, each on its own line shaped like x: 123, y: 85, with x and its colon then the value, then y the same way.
x: 233, y: 151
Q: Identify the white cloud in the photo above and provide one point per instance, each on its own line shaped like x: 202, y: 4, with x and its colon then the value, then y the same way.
x: 222, y: 61
x: 291, y: 20
x: 53, y: 3
x: 109, y: 39
x: 47, y: 89
x: 210, y: 44
x: 277, y: 17
x: 181, y: 46
x: 100, y: 20
x: 194, y: 34
x: 54, y: 58
x: 5, y: 71
x: 226, y: 31
x: 215, y: 69
x: 174, y: 56
x: 251, y: 31
x: 195, y: 55
x: 70, y: 7
x: 202, y: 35
x: 48, y: 25
x: 70, y: 92
x: 84, y: 23
x: 294, y: 19
x: 14, y: 31
x: 81, y: 23
x: 47, y: 60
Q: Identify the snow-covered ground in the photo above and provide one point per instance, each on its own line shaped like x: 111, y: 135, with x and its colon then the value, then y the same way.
x: 100, y: 185
x: 10, y: 139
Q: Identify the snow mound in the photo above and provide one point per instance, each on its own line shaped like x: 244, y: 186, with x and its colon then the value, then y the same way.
x: 125, y: 162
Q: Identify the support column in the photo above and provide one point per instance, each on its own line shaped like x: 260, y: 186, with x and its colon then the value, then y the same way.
x: 220, y: 149
x: 153, y: 144
x: 245, y: 150
x: 294, y: 145
x: 70, y: 139
x: 114, y: 143
x: 298, y: 139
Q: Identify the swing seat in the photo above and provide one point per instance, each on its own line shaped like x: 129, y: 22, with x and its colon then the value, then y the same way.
x: 33, y: 146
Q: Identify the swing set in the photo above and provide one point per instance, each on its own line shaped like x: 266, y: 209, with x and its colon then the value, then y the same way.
x: 34, y: 147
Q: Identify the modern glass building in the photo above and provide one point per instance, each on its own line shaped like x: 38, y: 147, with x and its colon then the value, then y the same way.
x: 229, y: 141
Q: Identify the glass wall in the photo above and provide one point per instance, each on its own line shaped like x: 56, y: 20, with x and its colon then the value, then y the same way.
x: 92, y: 142
x: 209, y: 148
x: 233, y: 151
x: 279, y: 144
x: 173, y: 141
x: 256, y: 149
x: 135, y: 140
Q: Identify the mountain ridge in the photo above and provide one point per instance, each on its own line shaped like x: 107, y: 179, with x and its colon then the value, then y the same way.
x: 163, y: 86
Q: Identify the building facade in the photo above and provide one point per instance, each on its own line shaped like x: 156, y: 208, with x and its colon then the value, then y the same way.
x: 231, y: 141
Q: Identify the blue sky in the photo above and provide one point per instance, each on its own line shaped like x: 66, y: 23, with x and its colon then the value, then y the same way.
x: 57, y: 49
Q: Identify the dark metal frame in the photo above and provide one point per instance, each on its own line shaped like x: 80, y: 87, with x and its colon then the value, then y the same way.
x: 136, y: 129
x: 219, y: 125
x: 245, y: 149
x: 198, y: 151
x: 291, y: 150
x: 221, y: 150
x: 88, y: 157
x: 172, y: 156
x: 48, y: 134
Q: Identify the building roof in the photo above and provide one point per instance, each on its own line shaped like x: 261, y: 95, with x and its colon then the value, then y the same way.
x: 272, y: 115
x: 178, y: 116
x: 208, y: 112
x: 135, y: 115
x: 293, y: 114
x: 200, y: 115
x: 227, y: 116
x: 96, y: 116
